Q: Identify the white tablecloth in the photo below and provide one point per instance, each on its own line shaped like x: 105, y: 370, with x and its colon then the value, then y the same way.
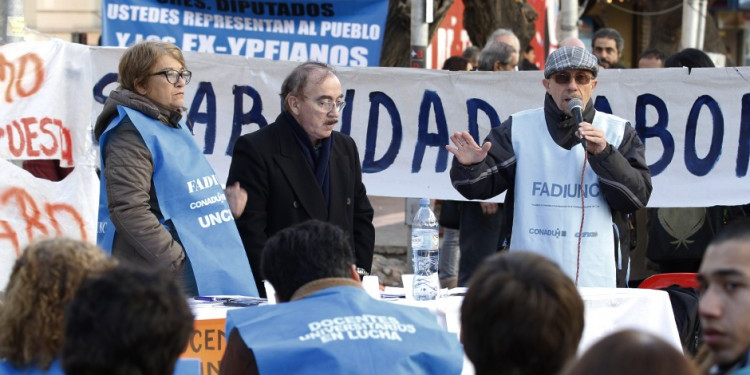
x: 606, y: 310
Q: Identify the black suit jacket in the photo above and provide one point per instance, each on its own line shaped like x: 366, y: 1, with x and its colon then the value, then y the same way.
x: 282, y: 191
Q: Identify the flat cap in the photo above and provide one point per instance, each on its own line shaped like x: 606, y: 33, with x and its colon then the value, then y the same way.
x: 570, y: 57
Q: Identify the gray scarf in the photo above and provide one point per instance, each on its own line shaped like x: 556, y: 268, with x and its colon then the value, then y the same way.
x: 140, y: 103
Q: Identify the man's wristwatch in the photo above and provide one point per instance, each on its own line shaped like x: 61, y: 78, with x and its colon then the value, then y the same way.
x: 362, y: 272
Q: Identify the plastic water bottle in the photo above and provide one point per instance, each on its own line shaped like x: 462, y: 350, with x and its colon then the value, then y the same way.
x: 425, y: 242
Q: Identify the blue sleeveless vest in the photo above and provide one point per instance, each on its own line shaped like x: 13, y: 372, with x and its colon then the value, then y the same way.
x: 191, y: 196
x: 7, y: 369
x: 341, y: 330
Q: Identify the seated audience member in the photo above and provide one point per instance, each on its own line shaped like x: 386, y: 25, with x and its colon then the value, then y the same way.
x: 42, y: 282
x: 522, y: 316
x: 724, y: 278
x: 632, y: 352
x: 326, y: 323
x: 126, y: 321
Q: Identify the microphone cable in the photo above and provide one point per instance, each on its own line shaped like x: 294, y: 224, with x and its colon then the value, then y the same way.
x: 583, y: 214
x: 575, y: 106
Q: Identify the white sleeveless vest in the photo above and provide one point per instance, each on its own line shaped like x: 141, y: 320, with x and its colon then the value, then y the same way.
x: 547, y: 213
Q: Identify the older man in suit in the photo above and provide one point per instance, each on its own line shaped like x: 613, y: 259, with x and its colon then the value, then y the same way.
x: 298, y: 168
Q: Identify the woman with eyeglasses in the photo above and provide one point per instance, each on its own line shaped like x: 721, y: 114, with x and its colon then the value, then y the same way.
x: 161, y: 204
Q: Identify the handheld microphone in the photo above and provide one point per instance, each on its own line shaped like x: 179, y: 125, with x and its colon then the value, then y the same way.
x: 575, y: 106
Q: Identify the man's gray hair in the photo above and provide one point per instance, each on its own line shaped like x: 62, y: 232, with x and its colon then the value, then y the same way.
x: 495, y: 52
x: 296, y: 82
x: 503, y: 32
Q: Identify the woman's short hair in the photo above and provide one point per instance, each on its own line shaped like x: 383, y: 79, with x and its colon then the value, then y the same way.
x: 632, y: 352
x: 43, y: 280
x: 138, y: 60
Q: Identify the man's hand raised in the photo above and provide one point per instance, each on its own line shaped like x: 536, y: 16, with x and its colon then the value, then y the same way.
x: 467, y: 151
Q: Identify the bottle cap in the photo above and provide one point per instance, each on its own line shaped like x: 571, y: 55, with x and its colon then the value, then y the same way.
x: 424, y: 202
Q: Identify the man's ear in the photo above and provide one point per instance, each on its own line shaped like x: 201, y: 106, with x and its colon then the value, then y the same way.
x: 545, y: 83
x: 293, y: 103
x: 496, y: 66
x: 353, y: 273
x: 594, y: 82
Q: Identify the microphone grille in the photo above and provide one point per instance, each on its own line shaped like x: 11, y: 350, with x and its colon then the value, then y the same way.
x: 575, y: 103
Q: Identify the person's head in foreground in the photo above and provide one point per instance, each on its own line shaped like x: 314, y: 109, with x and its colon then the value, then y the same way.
x: 42, y: 282
x: 632, y: 352
x: 126, y: 321
x: 570, y: 73
x: 521, y: 315
x: 724, y: 307
x: 307, y: 252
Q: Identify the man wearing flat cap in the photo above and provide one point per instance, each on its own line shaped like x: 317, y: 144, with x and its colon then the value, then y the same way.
x: 541, y: 156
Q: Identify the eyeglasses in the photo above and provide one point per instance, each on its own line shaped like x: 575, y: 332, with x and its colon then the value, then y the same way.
x: 328, y: 104
x: 173, y: 75
x: 564, y: 78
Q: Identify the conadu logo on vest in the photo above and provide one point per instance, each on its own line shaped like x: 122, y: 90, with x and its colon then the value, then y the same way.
x: 557, y: 233
x: 358, y: 327
x: 587, y: 234
x: 546, y: 189
x: 223, y: 215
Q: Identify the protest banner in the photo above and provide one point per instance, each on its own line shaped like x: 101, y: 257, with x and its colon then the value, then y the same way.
x: 44, y: 114
x: 695, y: 125
x: 339, y: 32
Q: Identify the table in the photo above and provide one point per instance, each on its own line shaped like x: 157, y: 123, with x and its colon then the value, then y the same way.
x: 606, y: 310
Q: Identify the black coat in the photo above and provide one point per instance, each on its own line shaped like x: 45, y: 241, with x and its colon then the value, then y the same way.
x: 282, y: 191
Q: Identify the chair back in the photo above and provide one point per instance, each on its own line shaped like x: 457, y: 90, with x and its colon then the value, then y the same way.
x: 663, y: 280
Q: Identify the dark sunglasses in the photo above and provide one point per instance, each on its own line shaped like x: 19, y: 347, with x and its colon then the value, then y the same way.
x: 564, y: 78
